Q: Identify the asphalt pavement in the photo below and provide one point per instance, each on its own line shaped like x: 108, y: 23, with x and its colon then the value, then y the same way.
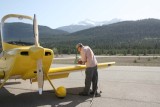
x: 121, y: 86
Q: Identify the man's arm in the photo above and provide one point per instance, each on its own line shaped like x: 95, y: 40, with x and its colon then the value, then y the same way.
x: 83, y: 57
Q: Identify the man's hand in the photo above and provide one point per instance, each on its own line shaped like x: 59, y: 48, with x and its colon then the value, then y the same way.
x: 80, y: 62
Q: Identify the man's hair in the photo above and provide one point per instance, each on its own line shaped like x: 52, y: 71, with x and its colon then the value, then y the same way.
x: 79, y: 45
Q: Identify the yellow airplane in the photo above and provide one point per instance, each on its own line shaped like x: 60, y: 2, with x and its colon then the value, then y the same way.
x: 22, y: 56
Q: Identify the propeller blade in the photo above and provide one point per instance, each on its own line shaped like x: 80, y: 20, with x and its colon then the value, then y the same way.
x: 40, y: 77
x: 36, y: 32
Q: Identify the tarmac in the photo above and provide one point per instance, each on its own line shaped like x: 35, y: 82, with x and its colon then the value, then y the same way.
x: 121, y: 86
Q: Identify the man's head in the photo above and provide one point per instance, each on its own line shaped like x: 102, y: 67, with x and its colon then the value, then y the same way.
x: 79, y: 46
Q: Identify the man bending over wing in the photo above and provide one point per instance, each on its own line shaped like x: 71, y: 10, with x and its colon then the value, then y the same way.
x: 88, y: 58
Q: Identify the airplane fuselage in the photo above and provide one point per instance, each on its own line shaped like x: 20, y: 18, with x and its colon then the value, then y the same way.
x: 20, y: 62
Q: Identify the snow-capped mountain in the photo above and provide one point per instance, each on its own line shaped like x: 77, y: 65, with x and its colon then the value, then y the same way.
x: 86, y: 24
x: 94, y: 23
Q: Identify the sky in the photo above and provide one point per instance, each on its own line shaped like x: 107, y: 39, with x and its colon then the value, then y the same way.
x: 57, y: 13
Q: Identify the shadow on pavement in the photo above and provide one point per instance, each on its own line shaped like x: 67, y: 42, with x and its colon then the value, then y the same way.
x: 33, y: 99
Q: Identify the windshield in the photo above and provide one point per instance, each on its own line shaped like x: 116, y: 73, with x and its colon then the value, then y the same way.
x: 18, y: 31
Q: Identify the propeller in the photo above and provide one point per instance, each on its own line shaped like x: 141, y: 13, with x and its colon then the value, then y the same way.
x: 38, y: 55
x: 40, y: 76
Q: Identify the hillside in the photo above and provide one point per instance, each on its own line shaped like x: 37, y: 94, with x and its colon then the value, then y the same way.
x: 127, y: 37
x: 75, y: 28
x: 86, y: 24
x: 123, y: 32
x: 123, y: 37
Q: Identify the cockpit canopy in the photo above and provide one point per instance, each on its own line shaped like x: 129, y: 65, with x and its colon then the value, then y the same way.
x: 18, y: 31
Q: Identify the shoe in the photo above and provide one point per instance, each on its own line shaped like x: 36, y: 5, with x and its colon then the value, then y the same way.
x: 83, y: 94
x: 96, y: 95
x: 91, y: 92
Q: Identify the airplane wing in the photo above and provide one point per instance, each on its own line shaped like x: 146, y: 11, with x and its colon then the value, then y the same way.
x: 62, y: 72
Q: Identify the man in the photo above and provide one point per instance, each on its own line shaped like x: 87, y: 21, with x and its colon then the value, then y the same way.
x: 88, y: 58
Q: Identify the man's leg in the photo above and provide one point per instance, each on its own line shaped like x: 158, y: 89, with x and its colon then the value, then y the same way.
x: 88, y: 79
x: 95, y: 80
x: 94, y: 84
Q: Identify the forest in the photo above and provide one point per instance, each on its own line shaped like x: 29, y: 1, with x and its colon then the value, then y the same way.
x: 141, y: 37
x: 127, y: 37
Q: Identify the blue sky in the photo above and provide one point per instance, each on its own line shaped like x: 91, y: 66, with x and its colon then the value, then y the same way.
x: 56, y: 13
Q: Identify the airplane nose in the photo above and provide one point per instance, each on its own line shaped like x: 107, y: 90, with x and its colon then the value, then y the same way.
x: 36, y: 52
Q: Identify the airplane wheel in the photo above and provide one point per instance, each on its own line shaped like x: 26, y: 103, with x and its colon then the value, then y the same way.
x: 61, y: 92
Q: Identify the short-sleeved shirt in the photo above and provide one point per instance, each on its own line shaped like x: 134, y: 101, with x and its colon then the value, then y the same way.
x: 88, y: 56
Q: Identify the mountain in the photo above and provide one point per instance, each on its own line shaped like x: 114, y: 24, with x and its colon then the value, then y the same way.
x: 122, y: 31
x: 100, y: 23
x: 141, y: 36
x: 44, y: 31
x: 47, y: 31
x: 86, y: 24
x: 123, y: 37
x: 74, y: 28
